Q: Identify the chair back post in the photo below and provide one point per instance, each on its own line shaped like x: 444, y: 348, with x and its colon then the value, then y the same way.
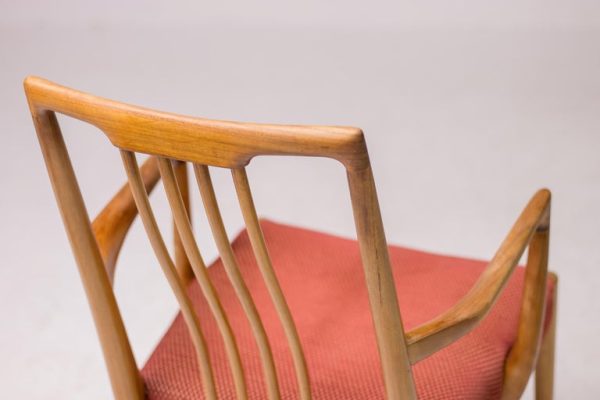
x: 121, y: 365
x: 393, y: 353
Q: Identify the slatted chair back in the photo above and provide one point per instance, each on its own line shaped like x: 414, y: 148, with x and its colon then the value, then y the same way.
x: 172, y: 139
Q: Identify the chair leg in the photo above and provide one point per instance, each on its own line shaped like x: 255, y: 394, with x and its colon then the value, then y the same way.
x: 544, y: 373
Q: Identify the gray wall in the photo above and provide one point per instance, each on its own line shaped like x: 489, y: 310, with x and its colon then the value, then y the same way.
x: 468, y: 108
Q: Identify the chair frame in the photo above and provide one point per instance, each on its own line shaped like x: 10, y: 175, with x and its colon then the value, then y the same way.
x: 174, y: 140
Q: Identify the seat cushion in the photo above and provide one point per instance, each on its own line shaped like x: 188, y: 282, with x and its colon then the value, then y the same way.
x: 322, y: 278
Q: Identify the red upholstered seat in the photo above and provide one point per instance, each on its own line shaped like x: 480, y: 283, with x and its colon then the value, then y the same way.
x: 321, y: 276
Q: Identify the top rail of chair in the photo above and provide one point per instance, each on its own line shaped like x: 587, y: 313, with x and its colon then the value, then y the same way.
x: 203, y: 141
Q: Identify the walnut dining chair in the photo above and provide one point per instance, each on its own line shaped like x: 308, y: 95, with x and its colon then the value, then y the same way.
x: 286, y: 312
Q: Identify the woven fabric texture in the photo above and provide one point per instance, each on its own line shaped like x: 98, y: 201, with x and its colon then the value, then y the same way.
x: 322, y: 278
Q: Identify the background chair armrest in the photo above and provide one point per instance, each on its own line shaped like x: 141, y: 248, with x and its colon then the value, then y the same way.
x: 112, y: 224
x: 531, y: 226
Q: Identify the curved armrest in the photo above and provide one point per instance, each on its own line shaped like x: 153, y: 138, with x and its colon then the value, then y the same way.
x: 446, y: 328
x: 113, y: 222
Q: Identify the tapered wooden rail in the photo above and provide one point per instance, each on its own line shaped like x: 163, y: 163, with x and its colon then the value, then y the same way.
x: 162, y: 254
x: 533, y: 224
x: 199, y: 267
x: 223, y: 143
x: 263, y: 259
x: 544, y: 372
x: 231, y: 267
x: 177, y: 140
x: 182, y: 263
x: 113, y: 222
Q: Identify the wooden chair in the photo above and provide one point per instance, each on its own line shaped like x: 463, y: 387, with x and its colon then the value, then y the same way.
x: 220, y: 356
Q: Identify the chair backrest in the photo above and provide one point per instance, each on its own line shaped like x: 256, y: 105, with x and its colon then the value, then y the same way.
x: 206, y: 143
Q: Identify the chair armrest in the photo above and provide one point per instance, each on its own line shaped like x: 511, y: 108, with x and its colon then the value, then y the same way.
x: 446, y: 328
x: 112, y: 223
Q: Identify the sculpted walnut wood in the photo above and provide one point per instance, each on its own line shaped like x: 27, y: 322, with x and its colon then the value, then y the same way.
x: 174, y: 140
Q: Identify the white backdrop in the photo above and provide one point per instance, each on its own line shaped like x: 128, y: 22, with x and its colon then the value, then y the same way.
x: 468, y: 108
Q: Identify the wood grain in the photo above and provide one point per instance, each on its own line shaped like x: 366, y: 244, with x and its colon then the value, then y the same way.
x: 233, y: 272
x: 544, y: 373
x: 168, y: 267
x: 393, y: 350
x: 523, y: 354
x: 470, y: 310
x: 202, y: 141
x: 113, y: 222
x: 178, y: 139
x: 188, y: 241
x: 257, y: 241
x: 184, y: 268
x: 124, y: 376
